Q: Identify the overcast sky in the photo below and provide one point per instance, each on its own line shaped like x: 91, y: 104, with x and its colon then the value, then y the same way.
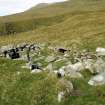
x: 8, y: 7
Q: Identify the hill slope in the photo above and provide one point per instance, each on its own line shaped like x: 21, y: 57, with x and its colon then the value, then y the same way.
x: 34, y: 17
x: 80, y: 20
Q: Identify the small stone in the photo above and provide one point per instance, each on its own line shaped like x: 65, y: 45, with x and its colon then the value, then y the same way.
x: 66, y: 87
x: 100, y: 51
x: 50, y: 59
x: 97, y: 80
x: 36, y: 71
x: 61, y: 72
x: 60, y: 96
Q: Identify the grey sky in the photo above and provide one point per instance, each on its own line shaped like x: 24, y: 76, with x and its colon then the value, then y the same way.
x: 14, y: 6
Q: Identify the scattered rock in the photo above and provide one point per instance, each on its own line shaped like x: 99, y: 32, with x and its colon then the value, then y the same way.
x: 6, y: 48
x: 36, y: 71
x: 93, y: 66
x: 62, y: 50
x: 31, y: 66
x: 75, y: 67
x: 88, y: 63
x: 97, y: 80
x: 84, y: 60
x: 99, y: 65
x: 66, y: 55
x: 13, y: 54
x: 66, y: 88
x: 60, y: 96
x: 100, y: 51
x: 22, y: 46
x: 61, y: 72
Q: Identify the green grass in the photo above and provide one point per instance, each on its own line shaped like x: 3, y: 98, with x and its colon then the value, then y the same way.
x: 26, y: 88
x: 42, y: 88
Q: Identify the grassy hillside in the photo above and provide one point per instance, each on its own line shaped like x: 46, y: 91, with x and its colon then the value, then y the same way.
x: 76, y: 21
x: 47, y: 15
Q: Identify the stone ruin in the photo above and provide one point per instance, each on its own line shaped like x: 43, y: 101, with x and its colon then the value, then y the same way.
x: 75, y: 62
x: 14, y: 51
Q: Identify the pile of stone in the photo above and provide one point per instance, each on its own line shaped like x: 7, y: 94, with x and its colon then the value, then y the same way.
x: 14, y: 51
x: 9, y: 51
x: 97, y: 80
x: 75, y: 61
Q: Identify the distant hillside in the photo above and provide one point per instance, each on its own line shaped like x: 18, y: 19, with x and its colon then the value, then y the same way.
x: 41, y: 5
x: 80, y: 20
x: 47, y: 15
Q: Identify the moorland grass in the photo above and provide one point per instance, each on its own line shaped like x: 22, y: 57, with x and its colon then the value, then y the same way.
x: 78, y: 22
